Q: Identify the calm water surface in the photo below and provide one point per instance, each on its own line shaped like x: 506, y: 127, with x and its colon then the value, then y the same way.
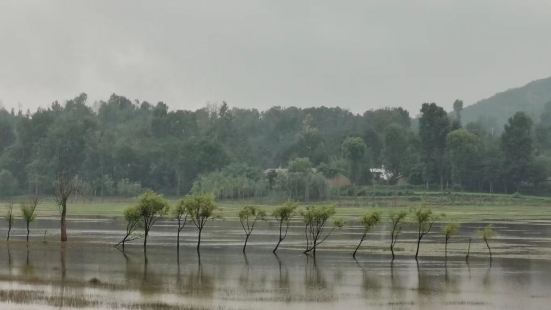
x: 89, y: 273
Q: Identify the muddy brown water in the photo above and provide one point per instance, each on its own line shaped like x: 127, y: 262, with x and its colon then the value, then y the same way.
x: 89, y: 273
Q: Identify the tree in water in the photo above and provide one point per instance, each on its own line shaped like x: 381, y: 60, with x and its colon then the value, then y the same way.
x: 65, y: 186
x: 28, y: 211
x: 248, y: 217
x: 10, y: 218
x: 180, y: 214
x: 200, y: 208
x: 151, y: 207
x: 424, y: 219
x: 488, y: 234
x: 368, y: 221
x: 283, y: 215
x: 396, y: 219
x: 451, y: 229
x: 315, y: 222
x: 133, y: 218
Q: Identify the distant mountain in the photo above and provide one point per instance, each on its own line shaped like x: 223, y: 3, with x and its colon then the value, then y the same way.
x: 495, y: 111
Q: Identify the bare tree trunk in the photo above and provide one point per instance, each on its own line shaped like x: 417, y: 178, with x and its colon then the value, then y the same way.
x: 63, y: 221
x: 277, y: 245
x: 358, y: 246
x: 178, y: 239
x: 199, y: 239
x: 418, y: 245
x: 28, y: 231
x: 468, y: 251
x: 146, y: 233
x: 246, y: 240
x: 446, y: 248
x: 488, y: 246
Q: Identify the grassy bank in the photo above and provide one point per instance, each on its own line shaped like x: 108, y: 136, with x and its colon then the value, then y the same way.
x: 457, y: 206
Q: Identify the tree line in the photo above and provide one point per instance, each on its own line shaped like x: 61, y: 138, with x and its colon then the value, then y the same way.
x: 319, y: 222
x: 120, y: 147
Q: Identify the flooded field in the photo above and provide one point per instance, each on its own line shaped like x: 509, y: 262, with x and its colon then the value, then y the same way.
x: 88, y: 272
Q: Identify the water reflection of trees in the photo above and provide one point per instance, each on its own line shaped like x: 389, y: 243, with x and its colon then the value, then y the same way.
x: 313, y: 275
x: 198, y: 281
x: 370, y: 281
x: 283, y: 281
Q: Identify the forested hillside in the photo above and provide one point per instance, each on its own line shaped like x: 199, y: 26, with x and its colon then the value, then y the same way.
x: 496, y: 110
x: 119, y: 147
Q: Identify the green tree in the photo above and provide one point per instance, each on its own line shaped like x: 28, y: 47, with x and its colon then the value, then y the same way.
x: 368, y: 221
x: 28, y: 211
x: 315, y: 222
x: 449, y: 230
x: 133, y: 218
x: 201, y: 208
x: 65, y: 187
x: 10, y: 218
x: 395, y: 152
x: 434, y: 127
x: 516, y: 143
x: 151, y: 207
x: 354, y: 150
x: 248, y: 217
x: 283, y: 215
x: 396, y: 220
x: 180, y: 213
x: 424, y: 218
x: 464, y: 149
x: 487, y: 234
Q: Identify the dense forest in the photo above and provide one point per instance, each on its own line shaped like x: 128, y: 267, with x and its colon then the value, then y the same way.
x: 119, y: 147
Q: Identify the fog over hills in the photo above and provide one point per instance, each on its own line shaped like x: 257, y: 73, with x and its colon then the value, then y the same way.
x: 496, y: 109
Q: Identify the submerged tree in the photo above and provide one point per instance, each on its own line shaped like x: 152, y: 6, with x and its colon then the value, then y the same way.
x: 65, y: 186
x: 180, y: 214
x: 368, y: 221
x: 488, y: 234
x: 424, y: 219
x: 248, y: 217
x: 200, y: 208
x: 283, y: 215
x: 151, y: 207
x: 28, y: 211
x: 449, y: 230
x: 132, y: 217
x: 396, y: 219
x: 10, y: 218
x: 315, y: 222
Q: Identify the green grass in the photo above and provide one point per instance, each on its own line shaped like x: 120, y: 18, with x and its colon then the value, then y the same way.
x: 456, y: 206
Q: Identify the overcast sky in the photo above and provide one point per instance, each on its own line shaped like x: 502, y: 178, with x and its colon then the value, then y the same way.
x: 355, y: 54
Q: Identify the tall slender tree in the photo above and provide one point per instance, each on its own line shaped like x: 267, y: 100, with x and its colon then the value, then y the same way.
x: 368, y: 221
x: 283, y: 215
x: 200, y: 208
x: 434, y: 127
x: 424, y: 218
x: 28, y: 211
x: 151, y: 208
x: 517, y: 146
x: 10, y: 218
x: 180, y: 214
x: 396, y: 220
x: 248, y: 217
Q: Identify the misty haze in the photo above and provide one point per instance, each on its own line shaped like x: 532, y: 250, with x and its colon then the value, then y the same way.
x: 275, y: 154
